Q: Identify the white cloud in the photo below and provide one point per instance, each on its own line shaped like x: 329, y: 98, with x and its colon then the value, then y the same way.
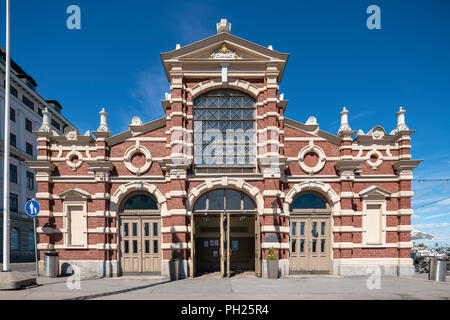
x: 149, y: 91
x: 415, y: 216
x: 438, y: 215
x: 425, y: 210
x: 444, y: 202
x: 432, y: 225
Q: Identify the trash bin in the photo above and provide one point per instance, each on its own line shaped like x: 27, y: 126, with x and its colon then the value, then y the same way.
x: 51, y: 264
x: 438, y: 269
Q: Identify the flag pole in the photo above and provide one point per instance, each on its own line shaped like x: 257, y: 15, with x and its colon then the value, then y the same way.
x: 6, y: 149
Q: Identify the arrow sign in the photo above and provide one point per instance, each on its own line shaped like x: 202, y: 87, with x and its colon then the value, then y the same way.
x: 32, y: 208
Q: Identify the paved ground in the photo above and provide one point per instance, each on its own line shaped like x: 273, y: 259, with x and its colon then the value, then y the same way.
x: 237, y: 288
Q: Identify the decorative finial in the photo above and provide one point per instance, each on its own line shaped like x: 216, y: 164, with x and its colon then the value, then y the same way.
x: 45, y: 127
x: 136, y: 121
x: 103, y: 125
x: 178, y: 46
x: 401, y: 124
x: 312, y: 121
x: 344, y: 121
x: 223, y: 26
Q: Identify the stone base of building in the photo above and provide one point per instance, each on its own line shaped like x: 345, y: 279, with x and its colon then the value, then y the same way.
x: 283, y: 267
x: 363, y: 267
x: 183, y: 272
x: 86, y: 268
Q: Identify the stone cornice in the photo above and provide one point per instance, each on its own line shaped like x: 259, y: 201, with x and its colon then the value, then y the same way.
x: 347, y: 165
x: 406, y: 165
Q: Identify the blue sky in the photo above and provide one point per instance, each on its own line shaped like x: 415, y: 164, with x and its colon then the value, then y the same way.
x: 335, y: 61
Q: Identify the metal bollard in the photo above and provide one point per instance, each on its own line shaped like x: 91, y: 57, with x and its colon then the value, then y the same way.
x: 51, y: 264
x: 438, y: 269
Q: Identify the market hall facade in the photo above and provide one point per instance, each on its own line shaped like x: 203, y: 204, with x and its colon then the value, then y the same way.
x: 224, y: 177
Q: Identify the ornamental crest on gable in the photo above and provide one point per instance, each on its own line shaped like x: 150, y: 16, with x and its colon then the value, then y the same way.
x: 224, y: 53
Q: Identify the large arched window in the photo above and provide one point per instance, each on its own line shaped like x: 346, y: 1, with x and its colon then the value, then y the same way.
x: 224, y: 132
x: 307, y: 201
x: 140, y: 202
x: 225, y: 200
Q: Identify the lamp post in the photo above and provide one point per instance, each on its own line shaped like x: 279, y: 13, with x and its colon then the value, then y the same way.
x: 6, y: 266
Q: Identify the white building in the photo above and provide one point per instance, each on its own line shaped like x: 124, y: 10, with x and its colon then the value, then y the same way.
x: 25, y: 117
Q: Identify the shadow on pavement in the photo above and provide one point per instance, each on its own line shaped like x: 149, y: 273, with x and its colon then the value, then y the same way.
x: 112, y: 293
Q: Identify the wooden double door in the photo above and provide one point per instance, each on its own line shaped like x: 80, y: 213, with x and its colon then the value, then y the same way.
x: 310, y: 244
x: 140, y: 244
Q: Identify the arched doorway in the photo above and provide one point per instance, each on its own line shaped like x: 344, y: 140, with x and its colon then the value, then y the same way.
x: 310, y: 240
x: 225, y: 232
x: 140, y: 234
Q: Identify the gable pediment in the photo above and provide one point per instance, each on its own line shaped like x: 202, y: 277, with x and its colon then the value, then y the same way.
x: 374, y: 191
x: 136, y: 130
x: 312, y: 130
x: 74, y: 193
x: 204, y: 48
x: 225, y: 50
x: 208, y: 52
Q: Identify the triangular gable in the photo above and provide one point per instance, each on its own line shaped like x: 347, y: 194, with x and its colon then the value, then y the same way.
x: 136, y: 131
x: 245, y: 50
x: 374, y: 191
x: 74, y: 193
x: 312, y: 130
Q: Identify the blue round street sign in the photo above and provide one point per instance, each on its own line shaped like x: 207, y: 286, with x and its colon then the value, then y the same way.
x: 32, y: 208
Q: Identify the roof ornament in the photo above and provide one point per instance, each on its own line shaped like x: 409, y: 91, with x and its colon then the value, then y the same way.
x: 103, y: 125
x: 312, y: 121
x: 401, y: 124
x: 136, y: 121
x: 345, y: 127
x: 45, y: 127
x: 223, y: 26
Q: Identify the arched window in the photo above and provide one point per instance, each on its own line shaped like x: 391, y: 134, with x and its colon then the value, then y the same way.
x: 140, y: 202
x: 224, y: 199
x: 308, y: 201
x: 15, y: 239
x: 224, y: 131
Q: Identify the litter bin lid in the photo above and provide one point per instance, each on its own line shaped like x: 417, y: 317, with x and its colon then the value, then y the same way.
x: 51, y: 253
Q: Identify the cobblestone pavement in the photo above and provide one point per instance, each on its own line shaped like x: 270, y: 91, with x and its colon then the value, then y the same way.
x: 244, y: 286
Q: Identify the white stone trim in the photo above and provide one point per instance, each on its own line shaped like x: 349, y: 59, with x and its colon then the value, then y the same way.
x: 380, y: 158
x: 225, y: 182
x: 371, y: 261
x: 67, y: 204
x: 173, y: 229
x: 275, y: 245
x: 76, y: 165
x: 175, y: 246
x: 211, y: 84
x: 130, y: 187
x: 351, y: 245
x: 316, y: 150
x: 325, y: 189
x: 279, y: 229
x: 128, y: 156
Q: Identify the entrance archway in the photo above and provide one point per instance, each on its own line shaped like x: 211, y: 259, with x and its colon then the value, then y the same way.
x: 310, y: 234
x: 140, y: 234
x: 225, y: 232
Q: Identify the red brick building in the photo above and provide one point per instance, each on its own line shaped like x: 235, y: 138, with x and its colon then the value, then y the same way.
x: 224, y: 177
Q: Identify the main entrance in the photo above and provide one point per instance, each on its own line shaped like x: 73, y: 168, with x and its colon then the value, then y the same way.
x: 140, y: 244
x: 310, y: 242
x: 226, y: 231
